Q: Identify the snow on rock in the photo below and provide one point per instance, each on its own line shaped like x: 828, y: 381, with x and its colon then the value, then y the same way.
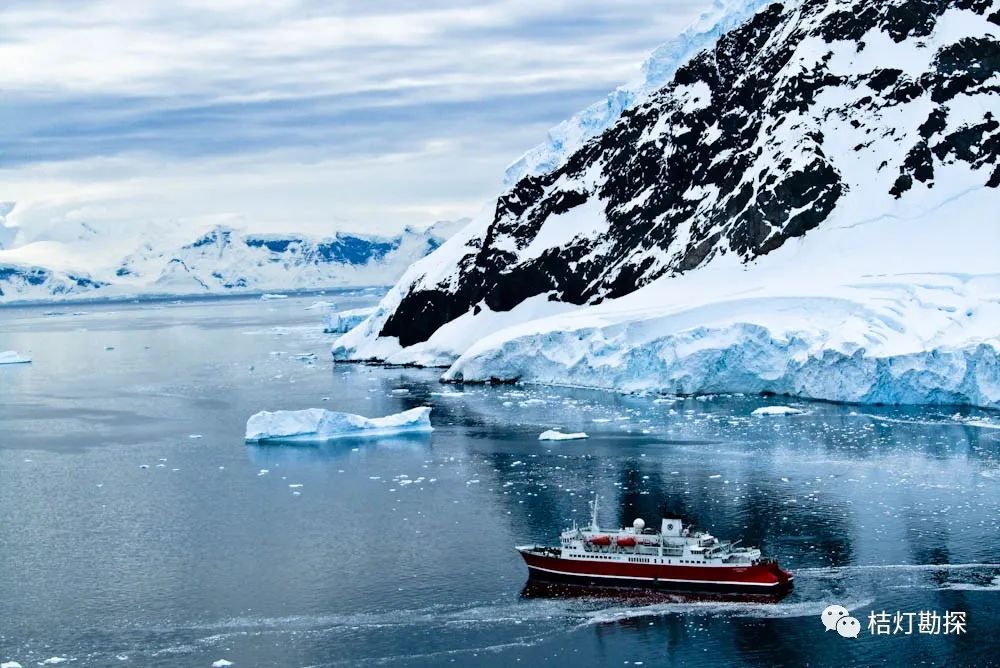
x: 554, y: 435
x: 567, y: 137
x: 12, y: 357
x: 341, y: 322
x: 317, y: 424
x: 777, y: 410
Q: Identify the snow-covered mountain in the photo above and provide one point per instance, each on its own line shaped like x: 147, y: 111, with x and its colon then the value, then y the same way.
x: 804, y: 207
x: 223, y: 260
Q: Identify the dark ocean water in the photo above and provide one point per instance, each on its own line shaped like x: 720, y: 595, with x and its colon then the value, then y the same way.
x: 137, y: 528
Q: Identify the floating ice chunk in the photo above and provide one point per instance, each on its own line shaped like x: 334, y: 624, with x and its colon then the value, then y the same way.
x: 221, y: 663
x: 344, y: 321
x: 194, y: 436
x: 400, y: 390
x: 267, y: 296
x: 777, y: 410
x: 317, y: 424
x: 11, y: 357
x: 54, y: 660
x: 10, y: 664
x: 553, y: 435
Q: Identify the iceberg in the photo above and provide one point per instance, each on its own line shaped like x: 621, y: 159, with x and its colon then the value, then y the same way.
x: 777, y: 410
x: 12, y: 357
x: 553, y: 435
x: 341, y: 322
x: 317, y: 425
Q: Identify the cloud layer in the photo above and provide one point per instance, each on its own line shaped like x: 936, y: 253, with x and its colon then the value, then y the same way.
x: 295, y: 113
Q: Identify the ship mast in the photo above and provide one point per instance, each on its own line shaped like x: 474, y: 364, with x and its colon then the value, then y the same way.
x: 593, y: 512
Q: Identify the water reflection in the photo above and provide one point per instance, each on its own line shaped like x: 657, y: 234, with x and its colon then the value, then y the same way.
x: 310, y: 454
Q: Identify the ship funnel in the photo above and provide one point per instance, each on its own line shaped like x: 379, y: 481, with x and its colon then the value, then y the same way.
x: 670, y: 526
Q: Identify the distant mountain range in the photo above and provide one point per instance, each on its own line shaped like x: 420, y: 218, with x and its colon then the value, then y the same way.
x: 223, y: 260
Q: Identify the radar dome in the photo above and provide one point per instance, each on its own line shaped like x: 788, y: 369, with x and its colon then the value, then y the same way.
x: 639, y: 524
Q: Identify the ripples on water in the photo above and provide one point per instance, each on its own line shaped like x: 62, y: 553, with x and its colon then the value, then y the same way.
x: 399, y: 551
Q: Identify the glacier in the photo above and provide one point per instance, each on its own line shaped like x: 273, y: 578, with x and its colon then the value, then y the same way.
x: 314, y: 425
x: 833, y: 317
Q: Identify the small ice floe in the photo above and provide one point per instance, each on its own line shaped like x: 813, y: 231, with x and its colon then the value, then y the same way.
x: 10, y: 664
x: 344, y: 321
x: 54, y: 660
x: 194, y: 436
x: 317, y: 424
x: 262, y: 472
x: 319, y: 306
x: 12, y: 357
x: 777, y: 410
x: 554, y: 435
x: 295, y: 485
x: 306, y: 357
x: 400, y: 390
x: 268, y: 296
x: 221, y: 663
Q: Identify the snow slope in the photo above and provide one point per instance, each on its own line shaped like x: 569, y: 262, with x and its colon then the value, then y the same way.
x: 797, y: 322
x: 804, y: 208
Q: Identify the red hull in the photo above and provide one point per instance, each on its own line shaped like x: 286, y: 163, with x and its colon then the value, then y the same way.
x: 765, y: 577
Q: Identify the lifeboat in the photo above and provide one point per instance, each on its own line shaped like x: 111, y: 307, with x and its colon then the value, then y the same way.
x: 626, y: 541
x: 600, y: 540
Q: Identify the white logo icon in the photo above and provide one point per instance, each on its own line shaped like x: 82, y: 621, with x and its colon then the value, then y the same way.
x: 832, y: 615
x: 849, y: 627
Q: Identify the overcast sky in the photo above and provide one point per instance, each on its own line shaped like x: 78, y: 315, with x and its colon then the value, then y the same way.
x: 296, y: 114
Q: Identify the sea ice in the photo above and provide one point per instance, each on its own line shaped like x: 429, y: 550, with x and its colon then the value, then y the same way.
x: 553, y: 435
x: 10, y: 664
x: 268, y: 296
x: 12, y: 357
x: 221, y: 663
x: 317, y: 424
x: 777, y: 410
